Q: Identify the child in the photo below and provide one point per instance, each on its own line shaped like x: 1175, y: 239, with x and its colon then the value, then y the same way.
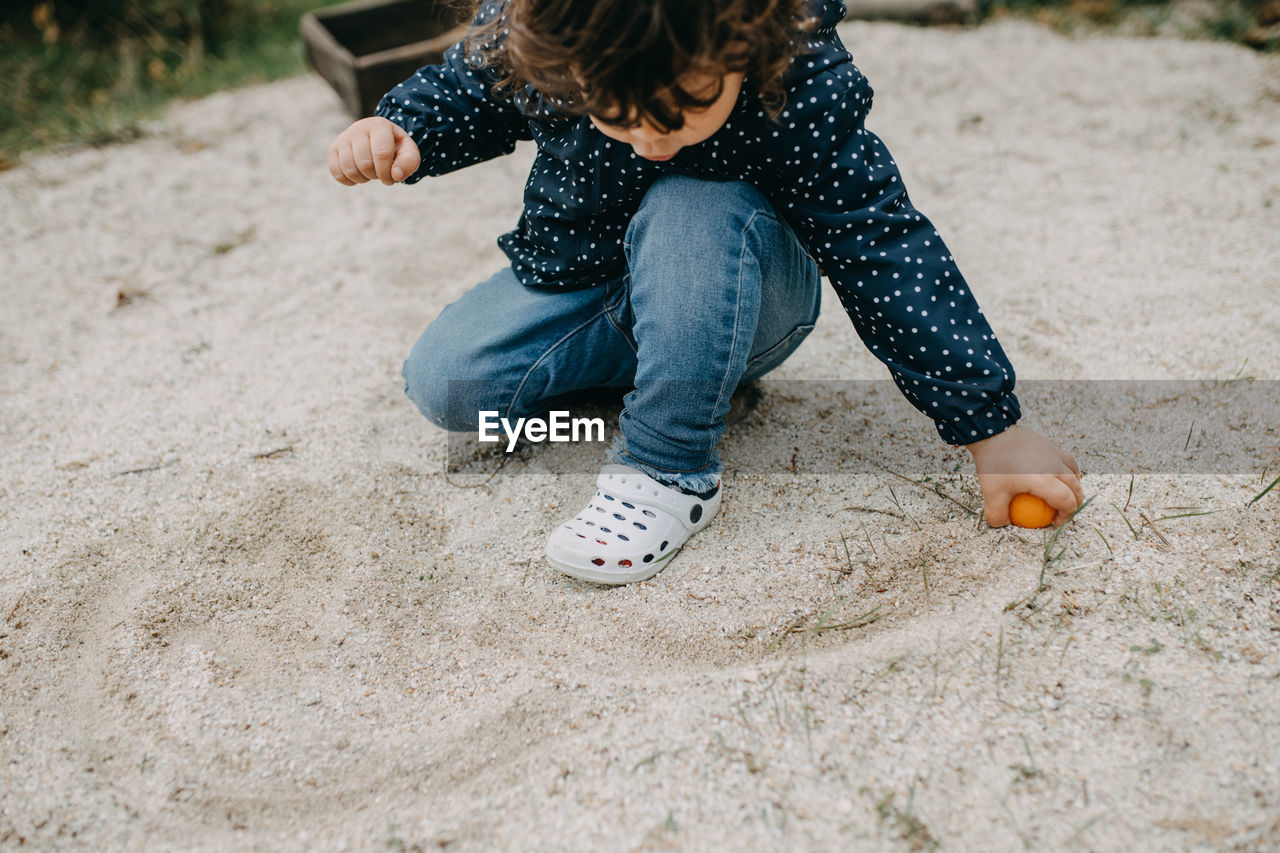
x: 697, y: 163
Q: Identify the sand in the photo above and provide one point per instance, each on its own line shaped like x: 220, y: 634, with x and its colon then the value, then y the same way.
x: 244, y: 607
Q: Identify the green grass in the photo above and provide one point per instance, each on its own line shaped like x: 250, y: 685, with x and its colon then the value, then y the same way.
x: 1260, y: 494
x: 1254, y: 23
x: 96, y: 85
x: 87, y: 87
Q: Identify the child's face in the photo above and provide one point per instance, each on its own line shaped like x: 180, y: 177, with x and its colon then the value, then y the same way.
x: 653, y: 143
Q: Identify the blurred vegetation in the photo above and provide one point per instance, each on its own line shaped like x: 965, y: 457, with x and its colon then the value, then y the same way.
x: 1254, y: 23
x: 89, y: 71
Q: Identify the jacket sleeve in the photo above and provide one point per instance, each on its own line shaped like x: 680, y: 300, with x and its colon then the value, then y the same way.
x: 450, y: 112
x: 841, y: 191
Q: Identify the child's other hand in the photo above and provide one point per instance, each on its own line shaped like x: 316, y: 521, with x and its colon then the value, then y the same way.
x: 373, y: 149
x: 1020, y: 460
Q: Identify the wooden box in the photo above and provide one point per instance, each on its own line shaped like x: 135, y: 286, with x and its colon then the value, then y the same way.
x: 365, y: 48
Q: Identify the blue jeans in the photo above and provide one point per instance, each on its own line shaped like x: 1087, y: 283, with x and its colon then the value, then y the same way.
x: 718, y: 292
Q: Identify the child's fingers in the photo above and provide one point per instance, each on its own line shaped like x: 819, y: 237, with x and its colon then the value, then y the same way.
x: 407, y: 157
x: 997, y: 514
x: 997, y: 491
x: 996, y: 498
x: 382, y: 147
x: 335, y: 167
x: 1073, y: 483
x: 1059, y: 496
x: 362, y: 154
x: 347, y: 163
x: 1071, y: 462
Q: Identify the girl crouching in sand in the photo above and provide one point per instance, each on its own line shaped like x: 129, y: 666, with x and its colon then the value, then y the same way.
x: 697, y: 164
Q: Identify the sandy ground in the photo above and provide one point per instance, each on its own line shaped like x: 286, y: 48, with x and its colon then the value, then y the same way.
x: 242, y: 606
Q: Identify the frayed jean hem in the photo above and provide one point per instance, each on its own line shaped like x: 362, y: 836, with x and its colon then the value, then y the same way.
x: 703, y: 480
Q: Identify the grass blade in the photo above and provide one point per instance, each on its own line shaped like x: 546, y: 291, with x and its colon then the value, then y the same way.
x: 1259, y: 495
x: 1187, y: 514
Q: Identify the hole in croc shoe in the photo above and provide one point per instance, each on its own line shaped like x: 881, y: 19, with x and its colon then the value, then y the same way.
x: 599, y: 509
x: 628, y: 506
x: 605, y: 530
x: 619, y: 516
x: 649, y: 513
x: 638, y: 524
x: 580, y: 536
x: 590, y: 523
x: 602, y: 542
x: 648, y: 558
x: 607, y: 497
x: 624, y: 537
x: 626, y: 564
x: 597, y: 561
x: 663, y: 546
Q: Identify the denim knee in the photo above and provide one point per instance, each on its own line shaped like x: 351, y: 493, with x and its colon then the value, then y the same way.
x: 424, y: 386
x: 434, y: 381
x: 689, y: 206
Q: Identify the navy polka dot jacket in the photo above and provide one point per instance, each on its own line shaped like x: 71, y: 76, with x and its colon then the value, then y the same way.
x: 833, y: 180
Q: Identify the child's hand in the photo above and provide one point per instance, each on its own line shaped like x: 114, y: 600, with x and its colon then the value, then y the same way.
x: 373, y: 149
x: 1019, y: 460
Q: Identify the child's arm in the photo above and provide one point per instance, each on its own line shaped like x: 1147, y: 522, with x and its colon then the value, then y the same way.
x: 445, y: 112
x: 840, y: 188
x: 902, y: 289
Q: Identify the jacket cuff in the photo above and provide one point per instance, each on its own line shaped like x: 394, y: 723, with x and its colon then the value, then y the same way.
x: 993, y: 418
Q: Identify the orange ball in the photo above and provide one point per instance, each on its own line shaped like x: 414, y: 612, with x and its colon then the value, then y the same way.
x: 1027, y: 510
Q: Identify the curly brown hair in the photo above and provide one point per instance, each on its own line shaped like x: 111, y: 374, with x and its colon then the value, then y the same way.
x: 623, y: 60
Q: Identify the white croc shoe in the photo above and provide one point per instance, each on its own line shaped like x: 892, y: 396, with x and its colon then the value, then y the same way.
x: 630, y: 529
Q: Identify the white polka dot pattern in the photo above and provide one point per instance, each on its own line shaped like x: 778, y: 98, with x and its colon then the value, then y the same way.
x: 830, y: 177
